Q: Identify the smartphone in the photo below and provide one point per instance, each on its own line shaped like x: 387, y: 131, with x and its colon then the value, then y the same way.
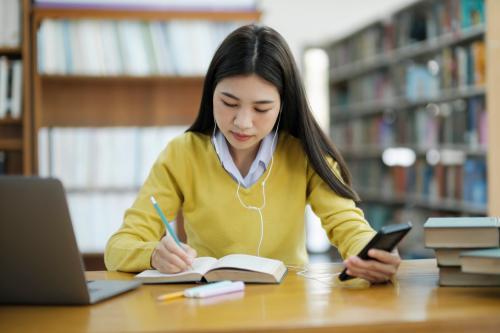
x: 386, y: 239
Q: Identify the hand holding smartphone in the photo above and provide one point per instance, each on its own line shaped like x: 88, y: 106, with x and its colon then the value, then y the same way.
x: 386, y: 239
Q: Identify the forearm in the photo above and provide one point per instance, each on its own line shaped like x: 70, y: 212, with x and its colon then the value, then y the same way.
x: 344, y: 223
x: 348, y: 231
x: 126, y: 253
x: 130, y: 248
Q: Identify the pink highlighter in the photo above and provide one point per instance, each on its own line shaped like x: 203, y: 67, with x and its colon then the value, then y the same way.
x: 223, y: 289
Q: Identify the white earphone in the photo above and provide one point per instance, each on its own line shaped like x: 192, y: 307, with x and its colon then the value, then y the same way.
x: 262, y: 184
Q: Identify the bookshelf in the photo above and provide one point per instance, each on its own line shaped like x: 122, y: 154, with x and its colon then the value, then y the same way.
x: 418, y: 81
x: 493, y: 104
x: 16, y: 146
x: 105, y: 105
x: 119, y: 100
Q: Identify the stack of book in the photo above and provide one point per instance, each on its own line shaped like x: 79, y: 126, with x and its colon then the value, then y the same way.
x: 467, y: 250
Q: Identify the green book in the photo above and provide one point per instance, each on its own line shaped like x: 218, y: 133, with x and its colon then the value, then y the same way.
x: 481, y: 261
x: 462, y: 232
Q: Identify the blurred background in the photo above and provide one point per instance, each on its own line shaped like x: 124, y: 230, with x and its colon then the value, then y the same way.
x: 92, y: 91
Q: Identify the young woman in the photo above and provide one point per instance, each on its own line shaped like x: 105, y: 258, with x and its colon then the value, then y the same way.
x: 245, y: 170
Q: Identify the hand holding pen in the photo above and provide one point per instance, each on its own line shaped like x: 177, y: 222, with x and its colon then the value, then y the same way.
x: 170, y: 255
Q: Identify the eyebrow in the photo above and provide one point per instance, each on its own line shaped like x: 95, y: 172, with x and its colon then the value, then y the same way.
x: 256, y: 102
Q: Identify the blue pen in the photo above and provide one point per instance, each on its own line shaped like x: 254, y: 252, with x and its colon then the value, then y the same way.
x: 165, y: 221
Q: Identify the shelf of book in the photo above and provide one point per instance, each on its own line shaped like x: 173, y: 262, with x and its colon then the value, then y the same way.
x: 150, y: 84
x: 416, y: 83
x: 375, y: 151
x: 369, y: 108
x: 405, y: 53
x: 419, y: 201
x: 493, y: 104
x: 111, y: 106
x: 15, y: 97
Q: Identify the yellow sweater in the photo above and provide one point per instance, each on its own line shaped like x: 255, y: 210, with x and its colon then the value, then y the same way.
x: 189, y: 175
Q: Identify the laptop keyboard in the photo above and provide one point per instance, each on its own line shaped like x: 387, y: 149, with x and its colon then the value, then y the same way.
x: 89, y: 286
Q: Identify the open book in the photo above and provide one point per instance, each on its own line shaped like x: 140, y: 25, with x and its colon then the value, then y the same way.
x: 235, y: 267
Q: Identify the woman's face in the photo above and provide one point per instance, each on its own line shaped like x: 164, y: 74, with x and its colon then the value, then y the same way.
x: 245, y: 110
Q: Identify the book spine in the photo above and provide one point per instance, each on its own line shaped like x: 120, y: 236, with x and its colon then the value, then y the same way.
x: 94, y: 47
x: 4, y: 82
x: 3, y: 158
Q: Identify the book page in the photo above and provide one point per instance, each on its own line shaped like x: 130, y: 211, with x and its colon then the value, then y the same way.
x: 248, y: 262
x: 200, y: 266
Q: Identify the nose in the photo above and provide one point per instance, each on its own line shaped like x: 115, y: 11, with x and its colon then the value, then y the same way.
x: 243, y: 119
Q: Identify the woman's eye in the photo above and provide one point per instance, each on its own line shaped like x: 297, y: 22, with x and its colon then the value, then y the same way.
x: 229, y: 104
x: 260, y: 110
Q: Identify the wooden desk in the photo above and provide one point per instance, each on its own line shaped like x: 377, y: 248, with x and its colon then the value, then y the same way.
x: 415, y: 303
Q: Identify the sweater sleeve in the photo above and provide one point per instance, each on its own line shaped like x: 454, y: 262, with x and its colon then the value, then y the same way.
x: 131, y: 247
x: 343, y: 222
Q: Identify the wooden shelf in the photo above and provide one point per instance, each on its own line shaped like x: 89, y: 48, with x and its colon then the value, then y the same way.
x: 11, y: 144
x: 140, y: 13
x: 103, y: 190
x: 370, y: 108
x: 10, y: 51
x: 86, y: 101
x: 93, y: 261
x: 70, y: 78
x: 11, y: 121
x: 449, y: 205
x: 415, y: 50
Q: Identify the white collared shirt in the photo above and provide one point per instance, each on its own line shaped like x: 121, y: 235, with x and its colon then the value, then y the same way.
x: 259, y: 165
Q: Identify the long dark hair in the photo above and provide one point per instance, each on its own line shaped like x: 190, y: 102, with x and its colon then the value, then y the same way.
x: 261, y: 50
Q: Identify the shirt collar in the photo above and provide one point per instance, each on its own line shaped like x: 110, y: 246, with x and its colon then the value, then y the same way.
x: 259, y: 165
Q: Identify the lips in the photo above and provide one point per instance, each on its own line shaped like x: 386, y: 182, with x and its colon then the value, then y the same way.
x: 241, y: 137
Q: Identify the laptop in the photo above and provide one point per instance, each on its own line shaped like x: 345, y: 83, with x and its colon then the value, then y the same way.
x: 39, y: 257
